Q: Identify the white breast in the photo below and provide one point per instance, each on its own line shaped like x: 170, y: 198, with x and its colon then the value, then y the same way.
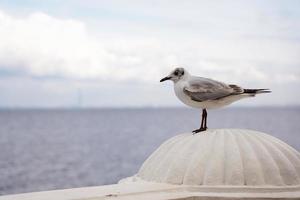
x: 178, y: 88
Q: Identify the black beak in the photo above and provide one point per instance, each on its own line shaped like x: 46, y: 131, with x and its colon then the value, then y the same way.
x: 164, y: 79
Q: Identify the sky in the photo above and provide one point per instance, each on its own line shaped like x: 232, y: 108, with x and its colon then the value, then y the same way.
x: 93, y: 53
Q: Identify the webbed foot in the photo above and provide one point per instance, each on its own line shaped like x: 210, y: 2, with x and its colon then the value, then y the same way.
x: 199, y: 130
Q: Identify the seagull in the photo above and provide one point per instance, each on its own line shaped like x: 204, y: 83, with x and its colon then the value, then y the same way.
x: 205, y: 93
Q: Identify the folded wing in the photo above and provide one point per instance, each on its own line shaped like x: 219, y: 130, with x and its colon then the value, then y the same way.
x: 202, y: 89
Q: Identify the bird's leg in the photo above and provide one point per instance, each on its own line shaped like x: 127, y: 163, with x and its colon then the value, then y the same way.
x: 203, y: 123
x: 205, y: 119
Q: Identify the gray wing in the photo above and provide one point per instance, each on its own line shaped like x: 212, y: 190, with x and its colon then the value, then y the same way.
x: 203, y: 89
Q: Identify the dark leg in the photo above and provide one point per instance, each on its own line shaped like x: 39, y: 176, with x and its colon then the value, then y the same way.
x: 203, y: 122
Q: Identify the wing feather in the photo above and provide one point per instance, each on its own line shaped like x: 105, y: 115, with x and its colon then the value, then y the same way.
x: 207, y: 89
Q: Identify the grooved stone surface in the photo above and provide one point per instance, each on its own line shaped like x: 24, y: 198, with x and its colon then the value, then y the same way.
x: 220, y: 157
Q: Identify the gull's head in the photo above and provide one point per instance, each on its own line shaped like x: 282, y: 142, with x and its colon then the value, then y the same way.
x: 176, y: 75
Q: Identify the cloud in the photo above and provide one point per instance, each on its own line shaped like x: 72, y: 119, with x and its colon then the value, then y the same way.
x: 44, y: 59
x: 41, y: 45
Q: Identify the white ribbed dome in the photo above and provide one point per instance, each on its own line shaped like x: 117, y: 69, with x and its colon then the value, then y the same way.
x: 223, y: 157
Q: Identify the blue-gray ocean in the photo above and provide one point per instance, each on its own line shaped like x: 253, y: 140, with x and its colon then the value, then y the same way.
x: 55, y: 149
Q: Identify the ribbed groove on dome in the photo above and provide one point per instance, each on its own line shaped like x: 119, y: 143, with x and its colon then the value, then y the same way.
x: 170, y: 164
x: 190, y: 156
x: 207, y: 148
x: 253, y: 173
x: 190, y: 169
x: 213, y: 172
x: 233, y: 164
x: 270, y: 169
x: 242, y: 159
x: 286, y: 168
x: 171, y: 155
x: 197, y: 165
x: 155, y: 159
x: 288, y: 148
x: 290, y: 153
x: 179, y: 169
x: 164, y: 160
x: 194, y: 168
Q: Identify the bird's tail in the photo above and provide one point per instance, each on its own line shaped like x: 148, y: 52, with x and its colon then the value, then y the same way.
x: 256, y: 91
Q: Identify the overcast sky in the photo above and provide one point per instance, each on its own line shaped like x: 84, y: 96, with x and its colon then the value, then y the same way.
x: 96, y: 53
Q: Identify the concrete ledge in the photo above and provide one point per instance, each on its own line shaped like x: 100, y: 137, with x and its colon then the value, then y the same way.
x: 159, y: 191
x: 99, y: 192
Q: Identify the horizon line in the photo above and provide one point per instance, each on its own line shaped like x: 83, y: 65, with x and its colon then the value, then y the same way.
x: 137, y: 107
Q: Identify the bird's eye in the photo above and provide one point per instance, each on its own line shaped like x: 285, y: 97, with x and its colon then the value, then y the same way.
x: 176, y: 73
